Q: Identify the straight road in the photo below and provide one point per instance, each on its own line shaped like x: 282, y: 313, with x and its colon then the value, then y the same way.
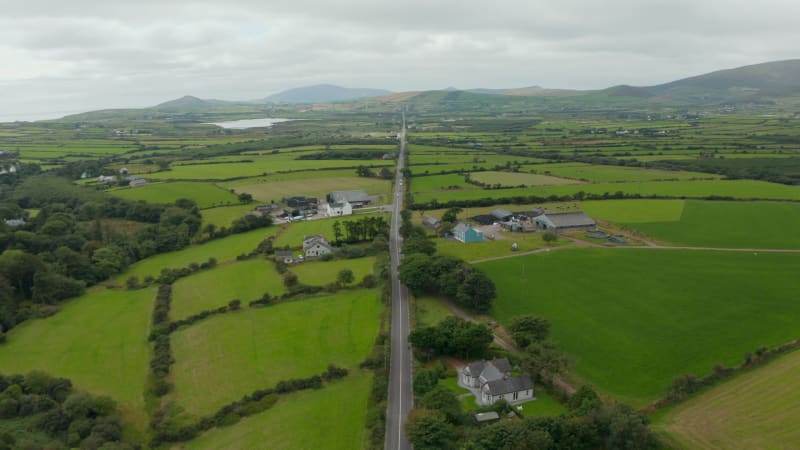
x: 401, y: 399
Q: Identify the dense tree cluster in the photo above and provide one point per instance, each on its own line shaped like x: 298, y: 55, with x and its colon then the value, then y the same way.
x: 360, y: 230
x: 72, y: 419
x: 453, y: 336
x: 448, y: 276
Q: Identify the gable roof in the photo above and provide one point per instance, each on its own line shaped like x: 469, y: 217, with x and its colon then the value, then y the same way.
x: 501, y: 213
x: 570, y: 219
x: 430, y: 221
x: 500, y: 365
x: 509, y: 385
x: 283, y: 253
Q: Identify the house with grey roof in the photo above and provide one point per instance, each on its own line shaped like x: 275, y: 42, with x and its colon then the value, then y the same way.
x: 492, y: 380
x: 431, y: 222
x: 316, y: 245
x: 284, y: 255
x: 512, y: 389
x: 566, y: 221
x: 357, y: 198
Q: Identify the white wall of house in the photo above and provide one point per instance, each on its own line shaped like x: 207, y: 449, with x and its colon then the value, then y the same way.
x: 345, y: 209
x: 317, y: 250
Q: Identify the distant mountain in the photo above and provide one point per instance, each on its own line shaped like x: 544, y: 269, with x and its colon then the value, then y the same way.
x: 190, y: 103
x: 324, y: 93
x: 771, y: 79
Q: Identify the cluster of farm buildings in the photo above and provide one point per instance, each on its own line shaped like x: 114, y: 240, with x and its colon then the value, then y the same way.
x: 299, y: 207
x: 529, y: 221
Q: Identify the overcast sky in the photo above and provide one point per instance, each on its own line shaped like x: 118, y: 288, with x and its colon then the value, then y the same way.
x: 62, y: 56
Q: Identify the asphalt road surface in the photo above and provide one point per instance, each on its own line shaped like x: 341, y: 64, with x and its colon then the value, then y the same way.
x: 401, y: 399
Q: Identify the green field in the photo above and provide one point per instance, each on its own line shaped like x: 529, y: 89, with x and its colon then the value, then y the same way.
x: 220, y: 359
x: 99, y: 341
x: 206, y: 195
x: 744, y: 189
x: 440, y: 183
x: 705, y: 223
x: 759, y: 409
x: 259, y: 166
x: 224, y: 216
x: 224, y: 249
x: 605, y: 174
x: 520, y: 179
x: 634, y: 211
x: 246, y: 281
x: 634, y: 319
x: 330, y: 418
x: 310, y: 185
x: 320, y: 273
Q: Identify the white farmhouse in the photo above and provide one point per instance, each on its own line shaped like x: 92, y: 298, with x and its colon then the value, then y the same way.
x: 316, y: 245
x: 339, y: 209
x: 492, y: 381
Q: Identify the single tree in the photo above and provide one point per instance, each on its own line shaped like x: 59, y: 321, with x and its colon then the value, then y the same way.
x: 345, y: 277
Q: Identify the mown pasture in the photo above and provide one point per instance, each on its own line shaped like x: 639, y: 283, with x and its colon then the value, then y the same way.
x: 758, y: 409
x: 206, y: 195
x: 220, y: 359
x: 320, y: 273
x: 493, y: 178
x: 330, y: 418
x: 210, y: 289
x: 224, y: 249
x: 706, y: 223
x: 440, y: 183
x: 99, y: 341
x: 258, y: 166
x: 606, y: 174
x: 310, y: 185
x: 633, y: 319
x: 741, y: 189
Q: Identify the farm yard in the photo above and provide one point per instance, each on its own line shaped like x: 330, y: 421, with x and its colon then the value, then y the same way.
x: 664, y: 312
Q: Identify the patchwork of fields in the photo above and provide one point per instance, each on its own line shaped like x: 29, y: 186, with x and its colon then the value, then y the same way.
x: 653, y: 313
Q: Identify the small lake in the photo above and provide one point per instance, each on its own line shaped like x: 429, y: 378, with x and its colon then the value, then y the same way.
x: 250, y: 123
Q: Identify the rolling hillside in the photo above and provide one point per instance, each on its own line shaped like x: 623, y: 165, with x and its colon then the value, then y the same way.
x: 324, y: 93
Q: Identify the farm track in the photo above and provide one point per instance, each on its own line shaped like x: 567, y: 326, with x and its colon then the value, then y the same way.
x: 641, y: 247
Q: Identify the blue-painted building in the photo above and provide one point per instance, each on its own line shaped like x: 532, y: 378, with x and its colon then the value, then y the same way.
x: 465, y: 233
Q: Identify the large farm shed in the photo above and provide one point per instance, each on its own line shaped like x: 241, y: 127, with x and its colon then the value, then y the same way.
x: 566, y: 221
x: 357, y: 198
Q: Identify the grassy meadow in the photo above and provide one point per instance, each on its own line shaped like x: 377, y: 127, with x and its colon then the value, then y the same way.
x: 224, y: 216
x: 224, y: 249
x: 606, y: 174
x: 520, y: 179
x: 330, y: 418
x: 224, y: 357
x: 705, y: 223
x: 206, y: 195
x: 99, y: 341
x: 493, y: 248
x: 633, y: 319
x: 311, y: 185
x: 758, y: 409
x: 246, y: 280
x: 320, y: 273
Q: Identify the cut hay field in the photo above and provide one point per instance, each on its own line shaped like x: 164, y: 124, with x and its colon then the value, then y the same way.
x: 605, y: 174
x: 320, y: 273
x: 633, y: 319
x: 520, y: 179
x: 224, y: 249
x: 209, y: 289
x: 706, y: 223
x: 742, y: 189
x: 758, y: 409
x: 206, y: 195
x: 310, y: 185
x: 224, y: 357
x: 99, y: 341
x: 331, y: 418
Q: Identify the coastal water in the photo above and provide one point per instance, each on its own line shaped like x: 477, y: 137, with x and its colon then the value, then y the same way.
x: 250, y: 123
